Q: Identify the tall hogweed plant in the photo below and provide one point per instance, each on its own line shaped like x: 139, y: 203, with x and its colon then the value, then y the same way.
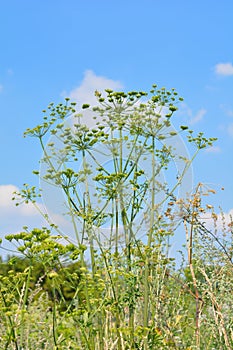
x: 110, y: 163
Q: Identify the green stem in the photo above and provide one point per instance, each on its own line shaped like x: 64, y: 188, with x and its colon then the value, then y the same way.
x: 71, y: 205
x: 150, y: 233
x: 25, y: 297
x: 12, y: 333
x: 89, y: 215
x: 54, y: 318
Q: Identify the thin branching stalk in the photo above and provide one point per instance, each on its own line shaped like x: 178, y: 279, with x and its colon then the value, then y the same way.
x: 149, y: 240
x: 189, y: 240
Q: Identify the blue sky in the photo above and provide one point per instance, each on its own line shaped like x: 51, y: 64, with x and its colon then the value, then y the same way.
x: 54, y: 48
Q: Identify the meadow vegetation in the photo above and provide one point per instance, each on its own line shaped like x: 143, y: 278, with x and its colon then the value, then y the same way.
x: 115, y: 285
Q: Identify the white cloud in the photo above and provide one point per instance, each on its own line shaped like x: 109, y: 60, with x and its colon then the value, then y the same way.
x: 189, y: 115
x: 224, y: 69
x: 227, y: 110
x: 185, y: 110
x: 213, y: 149
x: 6, y: 194
x: 230, y: 129
x: 198, y: 116
x: 91, y: 82
x: 85, y: 93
